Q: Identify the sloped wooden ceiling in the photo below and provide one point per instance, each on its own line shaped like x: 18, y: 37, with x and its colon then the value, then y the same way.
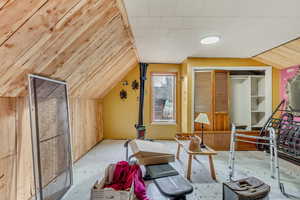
x: 284, y: 56
x: 88, y: 43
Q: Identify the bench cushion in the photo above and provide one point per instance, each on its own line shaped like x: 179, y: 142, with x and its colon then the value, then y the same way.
x: 173, y: 186
x: 160, y: 171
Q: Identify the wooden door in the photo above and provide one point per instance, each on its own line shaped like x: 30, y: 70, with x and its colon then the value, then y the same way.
x: 203, y: 99
x: 220, y: 100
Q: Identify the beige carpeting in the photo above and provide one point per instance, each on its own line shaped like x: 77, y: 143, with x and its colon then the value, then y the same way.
x: 91, y: 167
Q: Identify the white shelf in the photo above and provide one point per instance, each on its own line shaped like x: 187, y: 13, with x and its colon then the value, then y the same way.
x: 240, y: 87
x: 258, y: 76
x: 258, y: 96
x: 257, y: 86
x: 248, y: 96
x: 238, y: 77
x: 257, y: 125
x: 257, y: 119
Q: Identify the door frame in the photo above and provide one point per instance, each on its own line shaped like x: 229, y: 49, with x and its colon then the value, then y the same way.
x: 35, y: 134
x: 268, y: 85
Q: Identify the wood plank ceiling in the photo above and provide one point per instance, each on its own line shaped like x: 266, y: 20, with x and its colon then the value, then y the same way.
x: 283, y: 56
x: 88, y: 43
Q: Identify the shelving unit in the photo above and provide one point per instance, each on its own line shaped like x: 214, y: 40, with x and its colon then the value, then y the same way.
x: 257, y: 85
x: 258, y: 108
x: 248, y: 96
x: 240, y: 87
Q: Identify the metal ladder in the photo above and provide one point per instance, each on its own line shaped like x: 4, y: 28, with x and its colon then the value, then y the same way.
x: 270, y: 141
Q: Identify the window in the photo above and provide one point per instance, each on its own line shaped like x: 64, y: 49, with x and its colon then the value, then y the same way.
x: 163, y: 97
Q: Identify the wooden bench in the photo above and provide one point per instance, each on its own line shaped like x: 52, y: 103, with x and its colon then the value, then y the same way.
x: 207, y: 151
x: 151, y: 153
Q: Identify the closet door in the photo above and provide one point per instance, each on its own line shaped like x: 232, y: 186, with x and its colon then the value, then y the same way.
x: 221, y: 100
x: 203, y: 99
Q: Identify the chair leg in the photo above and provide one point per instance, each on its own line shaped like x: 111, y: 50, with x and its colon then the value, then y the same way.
x: 178, y: 152
x: 212, y: 168
x: 189, y: 170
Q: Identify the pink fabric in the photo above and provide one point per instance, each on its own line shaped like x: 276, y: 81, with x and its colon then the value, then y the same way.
x: 125, y: 175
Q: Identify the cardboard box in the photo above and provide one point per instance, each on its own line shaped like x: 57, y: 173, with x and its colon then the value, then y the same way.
x: 151, y: 153
x: 98, y: 191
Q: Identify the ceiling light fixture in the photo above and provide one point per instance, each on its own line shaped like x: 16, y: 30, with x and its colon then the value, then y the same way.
x: 210, y: 39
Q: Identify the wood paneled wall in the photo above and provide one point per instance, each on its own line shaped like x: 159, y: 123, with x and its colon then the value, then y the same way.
x: 25, y: 186
x: 220, y: 140
x: 88, y: 43
x: 283, y: 56
x: 16, y: 175
x: 8, y: 152
x: 87, y: 125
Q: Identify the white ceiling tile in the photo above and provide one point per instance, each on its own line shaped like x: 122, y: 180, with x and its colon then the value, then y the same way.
x: 208, y: 23
x: 170, y: 30
x: 149, y: 37
x: 152, y: 23
x: 270, y: 8
x: 162, y: 8
x: 137, y: 7
x: 171, y: 22
x: 226, y: 8
x: 190, y: 7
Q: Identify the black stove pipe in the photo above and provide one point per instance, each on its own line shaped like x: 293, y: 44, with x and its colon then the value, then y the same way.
x: 140, y: 125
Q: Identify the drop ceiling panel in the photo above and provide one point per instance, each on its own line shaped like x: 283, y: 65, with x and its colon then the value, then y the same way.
x: 189, y: 8
x: 170, y: 30
x: 162, y: 8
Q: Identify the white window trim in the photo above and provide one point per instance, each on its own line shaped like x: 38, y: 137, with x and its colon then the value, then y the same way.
x: 164, y: 122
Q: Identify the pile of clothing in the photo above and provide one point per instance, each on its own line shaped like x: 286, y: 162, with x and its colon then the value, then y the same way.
x: 122, y: 176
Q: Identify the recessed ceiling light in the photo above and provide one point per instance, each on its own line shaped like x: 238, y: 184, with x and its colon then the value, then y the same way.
x: 210, y: 39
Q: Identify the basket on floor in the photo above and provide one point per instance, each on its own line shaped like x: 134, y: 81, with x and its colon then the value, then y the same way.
x: 98, y: 191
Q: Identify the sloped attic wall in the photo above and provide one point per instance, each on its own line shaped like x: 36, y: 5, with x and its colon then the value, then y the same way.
x: 84, y: 42
x: 88, y: 43
x: 283, y: 56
